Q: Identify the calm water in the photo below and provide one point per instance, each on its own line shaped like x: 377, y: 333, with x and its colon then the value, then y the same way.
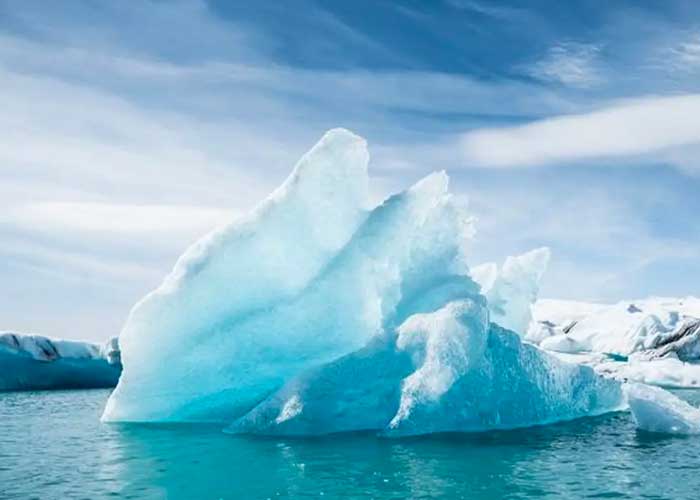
x: 52, y: 446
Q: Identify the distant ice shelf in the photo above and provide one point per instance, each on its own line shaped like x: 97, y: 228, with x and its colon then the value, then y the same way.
x: 33, y: 362
x: 653, y: 341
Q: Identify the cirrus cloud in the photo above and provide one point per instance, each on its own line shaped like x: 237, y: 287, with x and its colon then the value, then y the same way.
x: 630, y: 128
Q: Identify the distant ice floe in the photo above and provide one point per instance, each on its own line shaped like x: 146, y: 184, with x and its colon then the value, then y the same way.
x: 33, y: 362
x: 653, y: 341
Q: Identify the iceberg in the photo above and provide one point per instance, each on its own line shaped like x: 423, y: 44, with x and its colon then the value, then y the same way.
x: 317, y: 313
x: 657, y: 410
x: 34, y: 362
x: 309, y: 276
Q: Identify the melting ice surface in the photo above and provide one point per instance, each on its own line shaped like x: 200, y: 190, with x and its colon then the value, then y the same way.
x: 318, y: 314
x: 657, y: 410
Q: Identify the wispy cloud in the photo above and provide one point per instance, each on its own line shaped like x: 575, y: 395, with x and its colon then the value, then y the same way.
x: 685, y: 55
x: 569, y: 63
x: 120, y: 220
x: 648, y: 125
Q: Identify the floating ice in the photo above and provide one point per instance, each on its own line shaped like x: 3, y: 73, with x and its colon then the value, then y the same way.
x: 663, y: 372
x: 317, y: 315
x: 654, y: 341
x: 562, y: 343
x: 33, y: 362
x: 628, y: 326
x: 657, y: 410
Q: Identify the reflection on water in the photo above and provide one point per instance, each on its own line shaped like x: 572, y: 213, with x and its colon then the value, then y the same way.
x: 52, y: 445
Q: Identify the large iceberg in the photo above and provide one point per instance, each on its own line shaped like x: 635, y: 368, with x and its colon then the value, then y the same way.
x: 317, y: 313
x: 34, y: 362
x: 309, y: 276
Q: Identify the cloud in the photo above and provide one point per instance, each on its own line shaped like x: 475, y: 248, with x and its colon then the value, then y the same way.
x: 632, y: 128
x: 569, y: 63
x: 122, y: 143
x: 120, y: 220
x: 601, y: 240
x: 688, y: 52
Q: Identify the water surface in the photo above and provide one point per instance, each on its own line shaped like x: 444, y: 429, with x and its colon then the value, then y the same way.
x: 52, y: 446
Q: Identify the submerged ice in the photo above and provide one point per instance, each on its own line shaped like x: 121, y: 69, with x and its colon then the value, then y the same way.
x: 317, y: 313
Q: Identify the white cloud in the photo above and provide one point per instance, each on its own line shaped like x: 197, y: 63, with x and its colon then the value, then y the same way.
x: 685, y: 56
x: 569, y: 63
x: 121, y: 220
x: 649, y: 125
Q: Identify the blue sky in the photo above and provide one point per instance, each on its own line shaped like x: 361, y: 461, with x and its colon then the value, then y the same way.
x: 131, y: 128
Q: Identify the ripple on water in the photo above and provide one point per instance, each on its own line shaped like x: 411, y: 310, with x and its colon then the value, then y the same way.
x: 52, y: 446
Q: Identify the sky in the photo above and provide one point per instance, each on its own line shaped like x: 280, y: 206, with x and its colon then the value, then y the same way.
x: 130, y: 129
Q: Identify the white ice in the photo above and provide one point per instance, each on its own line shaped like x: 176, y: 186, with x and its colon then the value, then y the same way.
x: 657, y: 410
x: 512, y: 290
x: 654, y: 341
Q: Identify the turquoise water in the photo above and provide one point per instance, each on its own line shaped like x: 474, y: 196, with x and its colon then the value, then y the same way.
x: 52, y: 446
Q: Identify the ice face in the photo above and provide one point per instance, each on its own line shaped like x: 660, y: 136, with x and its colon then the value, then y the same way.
x: 446, y: 371
x: 657, y: 410
x: 512, y: 290
x: 309, y: 277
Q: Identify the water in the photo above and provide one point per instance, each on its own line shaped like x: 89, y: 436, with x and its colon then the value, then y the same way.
x: 52, y: 446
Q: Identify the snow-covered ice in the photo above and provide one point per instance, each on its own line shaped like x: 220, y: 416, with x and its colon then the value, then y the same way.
x: 562, y: 343
x: 664, y: 372
x: 657, y: 410
x: 33, y: 362
x: 317, y: 313
x: 621, y: 328
x: 654, y: 341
